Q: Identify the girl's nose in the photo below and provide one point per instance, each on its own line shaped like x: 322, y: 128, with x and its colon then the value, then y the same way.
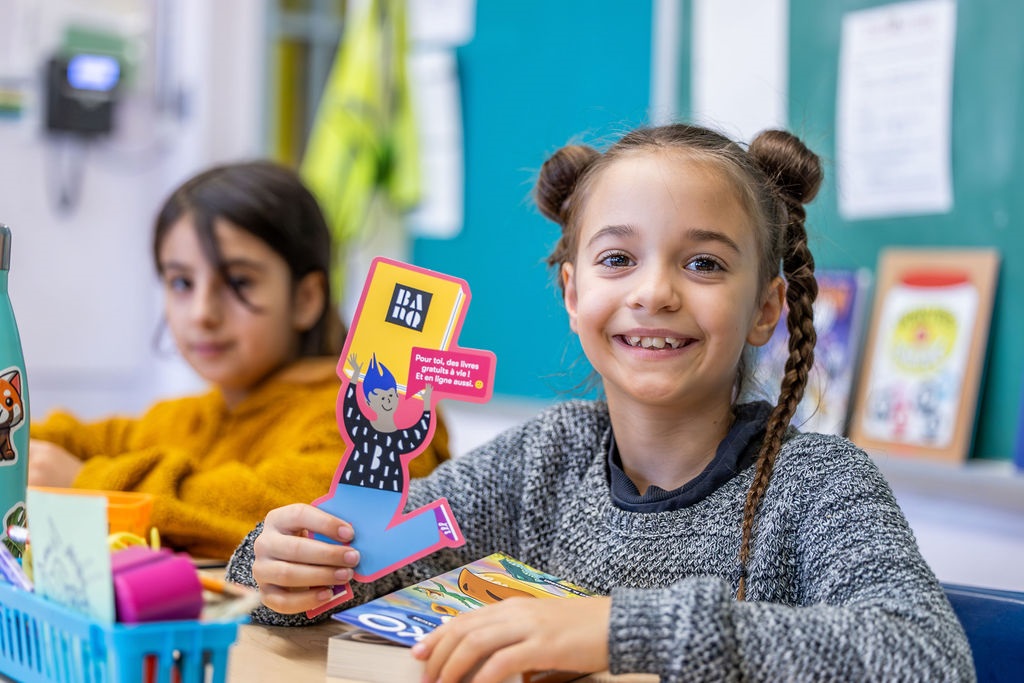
x: 206, y: 305
x: 655, y: 289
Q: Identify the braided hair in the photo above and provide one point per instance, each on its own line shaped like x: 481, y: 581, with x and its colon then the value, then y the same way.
x: 773, y: 178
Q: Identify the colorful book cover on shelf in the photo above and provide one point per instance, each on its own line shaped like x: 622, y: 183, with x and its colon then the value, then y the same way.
x: 838, y: 321
x: 409, y: 614
x: 924, y: 356
x: 400, y: 357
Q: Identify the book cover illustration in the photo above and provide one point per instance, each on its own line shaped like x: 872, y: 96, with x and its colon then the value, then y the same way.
x: 409, y: 614
x: 838, y: 321
x: 399, y: 359
x: 925, y: 353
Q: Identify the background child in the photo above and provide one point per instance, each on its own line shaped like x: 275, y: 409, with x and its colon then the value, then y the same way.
x: 726, y: 545
x: 243, y: 253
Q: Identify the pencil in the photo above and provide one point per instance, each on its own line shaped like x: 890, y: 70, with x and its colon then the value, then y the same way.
x: 222, y: 587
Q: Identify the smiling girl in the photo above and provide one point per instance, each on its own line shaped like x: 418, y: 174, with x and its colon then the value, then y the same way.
x: 725, y: 545
x: 243, y: 254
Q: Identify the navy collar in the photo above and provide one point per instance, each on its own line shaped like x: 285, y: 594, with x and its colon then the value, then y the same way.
x: 736, y: 452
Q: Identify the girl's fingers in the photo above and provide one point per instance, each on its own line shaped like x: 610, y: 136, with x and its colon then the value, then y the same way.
x: 285, y: 601
x: 507, y: 661
x: 518, y: 634
x: 298, y: 518
x: 474, y: 648
x: 460, y: 646
x: 290, y: 575
x: 293, y: 569
x: 304, y: 551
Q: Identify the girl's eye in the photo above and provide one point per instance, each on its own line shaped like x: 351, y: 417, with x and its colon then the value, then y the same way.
x: 615, y: 260
x: 239, y: 282
x: 704, y: 264
x: 178, y: 283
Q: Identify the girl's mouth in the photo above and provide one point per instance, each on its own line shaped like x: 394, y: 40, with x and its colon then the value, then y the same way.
x: 654, y: 342
x: 209, y: 349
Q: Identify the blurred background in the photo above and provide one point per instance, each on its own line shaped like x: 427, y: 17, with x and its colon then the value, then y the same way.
x: 107, y: 105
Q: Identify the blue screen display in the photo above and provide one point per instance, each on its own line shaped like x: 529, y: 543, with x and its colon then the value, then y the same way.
x: 93, y: 72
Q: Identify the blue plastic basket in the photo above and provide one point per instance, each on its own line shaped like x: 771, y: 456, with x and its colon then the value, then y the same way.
x: 42, y: 641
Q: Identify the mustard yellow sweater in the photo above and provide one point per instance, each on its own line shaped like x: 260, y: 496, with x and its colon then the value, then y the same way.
x: 216, y: 472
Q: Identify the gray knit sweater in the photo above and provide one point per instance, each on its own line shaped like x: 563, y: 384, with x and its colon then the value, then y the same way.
x: 837, y: 589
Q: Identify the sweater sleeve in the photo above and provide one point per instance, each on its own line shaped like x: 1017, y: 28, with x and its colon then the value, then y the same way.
x: 85, y: 439
x: 207, y: 507
x: 867, y: 607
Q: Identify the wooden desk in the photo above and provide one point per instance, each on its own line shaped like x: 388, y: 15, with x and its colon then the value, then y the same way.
x: 280, y: 653
x: 299, y: 655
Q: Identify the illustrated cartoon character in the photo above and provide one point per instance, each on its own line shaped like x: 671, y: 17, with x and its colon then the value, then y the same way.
x: 12, y: 412
x: 378, y: 444
x: 407, y: 323
x: 371, y: 488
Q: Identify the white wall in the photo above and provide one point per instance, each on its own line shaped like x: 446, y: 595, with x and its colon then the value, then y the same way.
x: 82, y: 280
x: 739, y: 65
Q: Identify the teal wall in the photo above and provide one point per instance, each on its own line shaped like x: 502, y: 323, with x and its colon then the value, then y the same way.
x: 537, y: 75
x: 988, y: 177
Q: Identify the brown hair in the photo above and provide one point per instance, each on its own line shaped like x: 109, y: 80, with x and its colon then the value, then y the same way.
x: 269, y: 201
x: 773, y: 180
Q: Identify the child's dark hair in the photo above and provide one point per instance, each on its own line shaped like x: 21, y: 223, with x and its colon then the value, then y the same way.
x: 269, y: 201
x: 773, y: 178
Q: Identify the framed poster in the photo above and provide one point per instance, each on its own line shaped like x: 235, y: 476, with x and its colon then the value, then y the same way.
x: 918, y: 390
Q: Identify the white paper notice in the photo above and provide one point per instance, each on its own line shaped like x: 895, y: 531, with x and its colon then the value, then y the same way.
x: 893, y: 111
x: 435, y: 83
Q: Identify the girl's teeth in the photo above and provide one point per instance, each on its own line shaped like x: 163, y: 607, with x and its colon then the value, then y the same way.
x: 654, y: 342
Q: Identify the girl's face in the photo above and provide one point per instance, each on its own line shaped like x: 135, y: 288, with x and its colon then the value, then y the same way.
x: 664, y: 293
x: 228, y: 342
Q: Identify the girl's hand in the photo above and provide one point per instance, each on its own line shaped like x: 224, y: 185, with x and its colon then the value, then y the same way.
x: 294, y: 571
x: 51, y: 465
x: 519, y: 634
x: 354, y: 362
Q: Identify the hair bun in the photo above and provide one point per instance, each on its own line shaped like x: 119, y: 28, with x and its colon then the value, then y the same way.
x: 558, y: 178
x: 791, y: 167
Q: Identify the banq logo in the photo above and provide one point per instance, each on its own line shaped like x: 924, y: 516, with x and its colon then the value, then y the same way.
x: 408, y: 307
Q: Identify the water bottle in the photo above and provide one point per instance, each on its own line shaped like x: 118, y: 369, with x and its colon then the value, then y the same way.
x: 14, y: 415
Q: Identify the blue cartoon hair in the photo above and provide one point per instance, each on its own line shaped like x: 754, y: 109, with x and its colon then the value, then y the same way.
x: 377, y: 377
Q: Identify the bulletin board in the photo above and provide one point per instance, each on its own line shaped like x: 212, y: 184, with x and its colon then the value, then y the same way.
x: 536, y: 75
x: 987, y: 167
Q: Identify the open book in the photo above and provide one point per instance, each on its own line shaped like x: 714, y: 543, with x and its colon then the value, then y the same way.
x: 377, y: 650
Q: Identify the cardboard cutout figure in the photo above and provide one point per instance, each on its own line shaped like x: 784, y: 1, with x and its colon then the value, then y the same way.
x: 405, y: 328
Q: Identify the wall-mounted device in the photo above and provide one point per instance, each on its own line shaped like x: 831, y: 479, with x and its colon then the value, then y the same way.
x: 81, y: 90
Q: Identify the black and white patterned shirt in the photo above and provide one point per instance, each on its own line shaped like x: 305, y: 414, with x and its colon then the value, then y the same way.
x: 375, y: 461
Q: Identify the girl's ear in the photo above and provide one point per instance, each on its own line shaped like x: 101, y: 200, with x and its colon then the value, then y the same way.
x: 569, y: 293
x: 767, y: 316
x: 309, y: 300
